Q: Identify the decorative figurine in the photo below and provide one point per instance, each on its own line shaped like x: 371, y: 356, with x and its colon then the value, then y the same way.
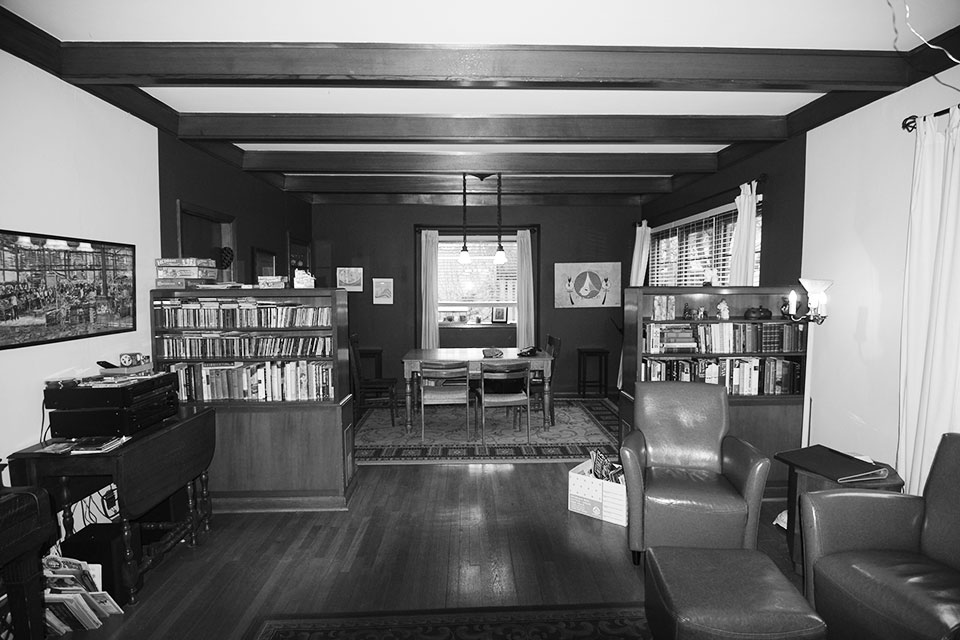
x: 723, y: 310
x: 701, y: 313
x: 687, y: 311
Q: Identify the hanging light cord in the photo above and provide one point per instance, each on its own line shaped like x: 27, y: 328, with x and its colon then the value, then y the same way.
x: 499, y: 218
x: 464, y: 212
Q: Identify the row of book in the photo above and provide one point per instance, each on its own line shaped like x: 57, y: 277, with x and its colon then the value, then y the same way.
x: 741, y: 376
x: 73, y: 596
x: 237, y: 313
x: 724, y: 337
x: 292, y: 381
x: 242, y: 345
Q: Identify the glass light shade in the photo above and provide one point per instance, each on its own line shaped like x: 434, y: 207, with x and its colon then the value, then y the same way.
x: 816, y: 294
x: 500, y: 257
x: 464, y: 256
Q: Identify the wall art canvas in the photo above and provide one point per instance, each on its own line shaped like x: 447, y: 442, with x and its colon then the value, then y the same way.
x: 586, y: 284
x: 54, y: 288
x: 383, y: 291
x: 350, y: 278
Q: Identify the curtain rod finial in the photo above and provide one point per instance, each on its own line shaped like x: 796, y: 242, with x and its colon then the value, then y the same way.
x: 909, y: 124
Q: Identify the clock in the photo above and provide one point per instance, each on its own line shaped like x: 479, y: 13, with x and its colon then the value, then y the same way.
x: 130, y: 359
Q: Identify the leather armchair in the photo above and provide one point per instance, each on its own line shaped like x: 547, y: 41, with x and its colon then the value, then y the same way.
x: 689, y: 483
x: 887, y: 565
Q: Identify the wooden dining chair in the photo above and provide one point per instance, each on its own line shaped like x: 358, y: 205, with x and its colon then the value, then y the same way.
x: 370, y: 392
x: 444, y: 383
x: 495, y: 375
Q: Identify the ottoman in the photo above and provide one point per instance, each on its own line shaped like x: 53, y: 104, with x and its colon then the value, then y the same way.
x: 701, y: 594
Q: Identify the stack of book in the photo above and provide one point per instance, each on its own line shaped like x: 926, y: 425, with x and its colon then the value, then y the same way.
x: 73, y: 595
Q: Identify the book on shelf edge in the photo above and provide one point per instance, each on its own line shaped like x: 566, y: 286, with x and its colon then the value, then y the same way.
x: 832, y: 464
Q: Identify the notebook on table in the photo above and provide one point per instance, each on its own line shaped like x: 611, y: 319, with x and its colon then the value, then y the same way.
x: 832, y: 464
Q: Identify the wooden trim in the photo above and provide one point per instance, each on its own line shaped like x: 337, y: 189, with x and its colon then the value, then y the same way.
x: 436, y: 184
x: 495, y: 66
x: 385, y: 128
x: 473, y: 162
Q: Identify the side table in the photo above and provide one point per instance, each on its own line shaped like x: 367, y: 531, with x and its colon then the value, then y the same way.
x: 811, y: 469
x: 584, y: 381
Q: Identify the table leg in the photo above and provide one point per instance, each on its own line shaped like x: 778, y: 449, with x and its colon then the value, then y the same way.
x: 409, y: 400
x: 205, y: 508
x: 547, y: 400
x: 192, y: 514
x: 130, y: 571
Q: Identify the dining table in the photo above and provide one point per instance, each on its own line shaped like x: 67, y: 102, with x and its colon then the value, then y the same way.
x: 540, y: 361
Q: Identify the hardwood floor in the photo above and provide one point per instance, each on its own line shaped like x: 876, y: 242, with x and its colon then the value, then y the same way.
x: 415, y: 537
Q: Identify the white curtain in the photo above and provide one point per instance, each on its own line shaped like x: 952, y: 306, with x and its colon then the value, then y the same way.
x: 743, y: 247
x: 429, y: 289
x: 526, y: 336
x: 930, y: 334
x: 638, y: 271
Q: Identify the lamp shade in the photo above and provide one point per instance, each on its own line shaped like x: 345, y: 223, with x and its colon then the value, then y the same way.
x: 816, y: 296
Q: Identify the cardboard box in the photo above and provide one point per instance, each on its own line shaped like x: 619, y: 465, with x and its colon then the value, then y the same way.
x: 186, y: 262
x: 187, y: 272
x: 599, y: 499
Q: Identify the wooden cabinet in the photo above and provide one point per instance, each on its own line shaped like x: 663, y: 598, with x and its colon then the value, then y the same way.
x: 274, y: 364
x: 676, y: 333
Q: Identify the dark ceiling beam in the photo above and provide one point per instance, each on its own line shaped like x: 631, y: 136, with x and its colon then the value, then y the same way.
x: 138, y: 103
x: 457, y: 162
x: 389, y: 128
x: 29, y: 43
x: 486, y: 66
x: 584, y: 201
x: 452, y: 184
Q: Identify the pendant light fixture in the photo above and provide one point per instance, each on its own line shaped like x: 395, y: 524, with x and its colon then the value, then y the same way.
x: 500, y: 257
x: 464, y: 254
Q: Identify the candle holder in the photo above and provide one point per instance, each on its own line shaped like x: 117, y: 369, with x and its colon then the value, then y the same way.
x: 816, y: 302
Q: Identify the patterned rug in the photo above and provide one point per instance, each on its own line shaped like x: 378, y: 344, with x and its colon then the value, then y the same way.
x: 556, y: 623
x: 582, y: 425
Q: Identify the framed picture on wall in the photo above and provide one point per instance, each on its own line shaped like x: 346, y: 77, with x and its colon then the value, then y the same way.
x: 299, y: 255
x: 383, y: 291
x: 586, y: 284
x: 350, y: 278
x: 264, y: 263
x: 54, y: 288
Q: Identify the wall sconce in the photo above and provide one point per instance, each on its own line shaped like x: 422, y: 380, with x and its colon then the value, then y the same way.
x: 464, y: 254
x: 816, y: 302
x: 500, y: 257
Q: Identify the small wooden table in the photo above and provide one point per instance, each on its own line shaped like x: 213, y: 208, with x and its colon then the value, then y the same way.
x: 146, y: 470
x: 541, y: 361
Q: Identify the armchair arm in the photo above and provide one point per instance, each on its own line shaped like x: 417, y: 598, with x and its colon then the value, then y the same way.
x: 633, y: 457
x: 837, y: 520
x: 747, y: 469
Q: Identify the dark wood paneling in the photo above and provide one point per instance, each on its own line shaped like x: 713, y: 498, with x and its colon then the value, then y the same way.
x: 367, y: 128
x: 497, y: 66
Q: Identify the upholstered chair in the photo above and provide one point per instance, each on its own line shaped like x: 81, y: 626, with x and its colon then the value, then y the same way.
x: 689, y: 483
x: 883, y: 565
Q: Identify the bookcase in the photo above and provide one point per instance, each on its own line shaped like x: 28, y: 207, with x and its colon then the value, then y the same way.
x: 676, y: 333
x: 275, y: 365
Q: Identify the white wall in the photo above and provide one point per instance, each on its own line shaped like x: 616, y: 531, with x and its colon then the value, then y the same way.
x: 858, y: 184
x: 75, y: 166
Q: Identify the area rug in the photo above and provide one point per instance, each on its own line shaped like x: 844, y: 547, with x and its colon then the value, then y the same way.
x: 582, y: 425
x: 624, y: 620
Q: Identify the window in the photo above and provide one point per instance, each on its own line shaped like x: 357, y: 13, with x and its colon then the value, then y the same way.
x: 469, y: 292
x: 681, y: 252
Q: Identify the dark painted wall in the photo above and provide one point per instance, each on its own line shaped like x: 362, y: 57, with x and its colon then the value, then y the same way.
x: 382, y: 240
x: 784, y: 166
x: 263, y: 213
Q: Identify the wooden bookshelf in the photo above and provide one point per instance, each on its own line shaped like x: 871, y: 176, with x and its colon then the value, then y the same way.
x: 675, y: 333
x: 274, y: 363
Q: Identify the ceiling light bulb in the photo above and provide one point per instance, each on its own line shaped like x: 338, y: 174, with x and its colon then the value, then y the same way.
x: 500, y: 257
x: 464, y: 256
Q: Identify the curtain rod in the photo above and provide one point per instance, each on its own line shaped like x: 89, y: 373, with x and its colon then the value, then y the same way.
x: 909, y: 123
x: 761, y: 179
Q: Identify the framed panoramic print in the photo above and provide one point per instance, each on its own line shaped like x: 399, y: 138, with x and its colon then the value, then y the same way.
x: 586, y: 284
x: 54, y: 288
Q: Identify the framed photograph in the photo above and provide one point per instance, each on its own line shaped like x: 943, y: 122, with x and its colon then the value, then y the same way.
x: 586, y: 284
x: 54, y: 288
x: 383, y: 291
x: 499, y: 315
x: 350, y: 278
x: 264, y: 263
x: 300, y: 255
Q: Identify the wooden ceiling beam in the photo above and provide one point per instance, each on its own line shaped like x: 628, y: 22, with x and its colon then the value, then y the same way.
x: 588, y: 202
x: 348, y: 162
x: 452, y: 184
x: 484, y: 66
x: 568, y: 129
